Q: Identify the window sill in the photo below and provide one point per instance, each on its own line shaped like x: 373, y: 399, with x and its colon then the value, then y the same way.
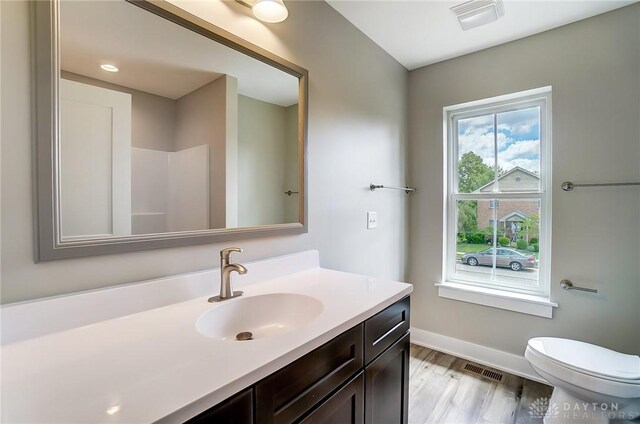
x: 517, y: 302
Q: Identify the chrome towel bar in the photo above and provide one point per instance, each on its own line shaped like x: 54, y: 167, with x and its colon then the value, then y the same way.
x: 568, y: 285
x: 568, y: 185
x: 407, y: 190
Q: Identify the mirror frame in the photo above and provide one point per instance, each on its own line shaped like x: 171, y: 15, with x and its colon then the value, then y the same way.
x: 49, y: 245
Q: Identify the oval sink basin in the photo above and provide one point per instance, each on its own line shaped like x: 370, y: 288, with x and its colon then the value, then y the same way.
x: 263, y: 316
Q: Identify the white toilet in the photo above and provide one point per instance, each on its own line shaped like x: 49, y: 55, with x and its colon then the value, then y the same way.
x: 591, y: 384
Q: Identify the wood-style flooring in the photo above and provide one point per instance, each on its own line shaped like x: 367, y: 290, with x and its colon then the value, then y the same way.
x: 440, y: 392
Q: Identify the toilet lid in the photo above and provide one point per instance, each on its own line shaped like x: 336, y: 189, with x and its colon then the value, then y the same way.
x: 589, y: 359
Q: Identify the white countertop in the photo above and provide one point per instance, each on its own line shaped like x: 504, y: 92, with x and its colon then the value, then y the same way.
x: 154, y: 365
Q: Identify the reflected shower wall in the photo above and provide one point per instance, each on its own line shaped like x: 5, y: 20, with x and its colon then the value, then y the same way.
x: 170, y: 190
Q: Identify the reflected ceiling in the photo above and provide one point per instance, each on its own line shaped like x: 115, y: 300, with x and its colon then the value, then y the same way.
x: 155, y: 44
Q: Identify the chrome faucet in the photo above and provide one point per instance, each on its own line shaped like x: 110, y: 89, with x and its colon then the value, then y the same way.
x: 226, y: 268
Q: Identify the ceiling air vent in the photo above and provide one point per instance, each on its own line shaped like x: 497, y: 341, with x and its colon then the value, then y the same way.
x: 475, y: 13
x: 483, y: 372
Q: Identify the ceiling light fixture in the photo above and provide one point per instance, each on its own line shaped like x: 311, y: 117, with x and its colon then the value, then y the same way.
x: 271, y: 11
x: 475, y: 13
x: 109, y: 68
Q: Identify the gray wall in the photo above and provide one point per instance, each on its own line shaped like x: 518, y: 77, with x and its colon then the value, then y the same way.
x: 357, y: 116
x: 594, y: 68
x: 202, y: 119
x: 152, y: 117
x: 263, y: 140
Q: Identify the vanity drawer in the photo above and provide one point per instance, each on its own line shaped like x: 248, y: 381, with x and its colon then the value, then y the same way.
x: 288, y: 394
x: 383, y: 329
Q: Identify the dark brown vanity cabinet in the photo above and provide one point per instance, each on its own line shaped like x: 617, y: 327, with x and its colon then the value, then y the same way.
x: 387, y: 385
x: 387, y: 365
x: 361, y: 376
x: 238, y: 409
x: 289, y: 394
x: 346, y: 406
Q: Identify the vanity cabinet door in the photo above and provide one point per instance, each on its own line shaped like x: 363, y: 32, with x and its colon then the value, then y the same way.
x: 387, y: 385
x: 290, y: 393
x: 385, y: 327
x: 346, y: 406
x: 235, y: 410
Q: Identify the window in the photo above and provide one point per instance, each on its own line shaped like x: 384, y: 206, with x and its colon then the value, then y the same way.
x: 498, y: 178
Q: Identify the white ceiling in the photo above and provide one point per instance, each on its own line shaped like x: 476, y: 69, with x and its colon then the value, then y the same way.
x: 158, y: 56
x: 421, y: 32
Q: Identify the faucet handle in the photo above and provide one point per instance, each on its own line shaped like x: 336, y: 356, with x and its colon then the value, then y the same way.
x: 225, y: 253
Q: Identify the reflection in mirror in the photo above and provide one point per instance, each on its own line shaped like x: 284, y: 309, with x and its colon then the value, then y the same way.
x: 179, y: 133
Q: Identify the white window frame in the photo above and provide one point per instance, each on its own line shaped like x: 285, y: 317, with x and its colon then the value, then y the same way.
x: 535, y: 301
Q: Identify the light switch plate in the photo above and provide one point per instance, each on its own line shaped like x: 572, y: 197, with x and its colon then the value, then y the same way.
x: 372, y: 220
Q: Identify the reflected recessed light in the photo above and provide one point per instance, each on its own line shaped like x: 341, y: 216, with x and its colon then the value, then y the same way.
x: 109, y: 68
x: 113, y: 409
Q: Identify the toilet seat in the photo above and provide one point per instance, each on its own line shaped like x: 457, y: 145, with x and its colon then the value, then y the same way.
x: 589, y: 359
x: 573, y: 367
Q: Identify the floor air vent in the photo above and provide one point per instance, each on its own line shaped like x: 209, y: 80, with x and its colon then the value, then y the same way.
x: 473, y: 368
x: 486, y: 373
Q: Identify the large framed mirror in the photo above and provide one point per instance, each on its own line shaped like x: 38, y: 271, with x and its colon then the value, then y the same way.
x: 157, y: 129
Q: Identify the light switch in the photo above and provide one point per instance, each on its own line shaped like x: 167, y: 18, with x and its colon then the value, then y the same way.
x: 372, y: 220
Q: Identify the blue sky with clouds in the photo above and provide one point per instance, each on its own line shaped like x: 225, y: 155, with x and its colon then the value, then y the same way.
x: 518, y: 138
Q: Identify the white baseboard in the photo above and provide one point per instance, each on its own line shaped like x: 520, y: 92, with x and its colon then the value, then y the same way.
x: 508, y: 362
